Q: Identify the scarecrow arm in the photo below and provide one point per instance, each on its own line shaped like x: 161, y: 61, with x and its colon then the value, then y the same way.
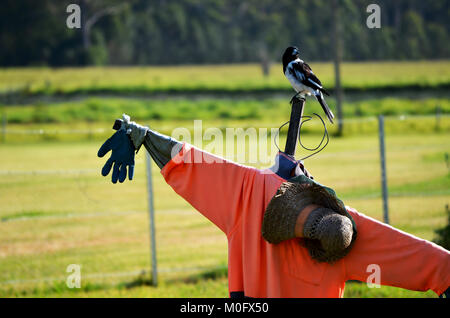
x: 212, y: 185
x: 402, y: 259
x: 215, y: 187
x: 161, y: 148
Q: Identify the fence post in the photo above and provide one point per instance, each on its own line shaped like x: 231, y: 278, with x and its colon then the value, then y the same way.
x: 438, y: 117
x: 383, y: 169
x: 152, y: 221
x: 4, y: 122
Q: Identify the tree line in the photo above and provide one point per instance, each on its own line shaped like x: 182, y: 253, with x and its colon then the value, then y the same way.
x: 168, y: 32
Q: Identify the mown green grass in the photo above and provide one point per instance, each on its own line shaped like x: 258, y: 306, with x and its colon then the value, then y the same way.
x: 52, y: 219
x: 227, y: 78
x: 274, y: 109
x: 90, y: 119
x: 56, y: 209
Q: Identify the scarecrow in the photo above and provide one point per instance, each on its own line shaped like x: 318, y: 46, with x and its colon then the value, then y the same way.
x: 288, y: 235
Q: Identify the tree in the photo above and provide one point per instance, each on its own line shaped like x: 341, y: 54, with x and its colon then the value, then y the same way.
x: 413, y: 42
x: 216, y: 31
x: 91, y: 12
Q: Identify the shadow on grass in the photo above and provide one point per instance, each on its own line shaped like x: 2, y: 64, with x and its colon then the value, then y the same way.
x: 212, y: 274
x: 145, y: 278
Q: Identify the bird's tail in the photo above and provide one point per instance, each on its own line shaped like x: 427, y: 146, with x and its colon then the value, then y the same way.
x: 325, y: 107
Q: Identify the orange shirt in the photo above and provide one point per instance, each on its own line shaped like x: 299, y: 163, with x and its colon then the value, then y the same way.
x: 234, y: 198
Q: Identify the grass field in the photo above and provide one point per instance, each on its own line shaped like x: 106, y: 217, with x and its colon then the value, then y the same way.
x: 228, y: 78
x: 57, y: 210
x: 223, y: 109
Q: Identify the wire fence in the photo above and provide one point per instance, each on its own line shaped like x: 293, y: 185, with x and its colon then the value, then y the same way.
x: 435, y: 121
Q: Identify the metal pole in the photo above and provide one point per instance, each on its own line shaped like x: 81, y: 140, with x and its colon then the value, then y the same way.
x: 152, y: 221
x: 383, y: 169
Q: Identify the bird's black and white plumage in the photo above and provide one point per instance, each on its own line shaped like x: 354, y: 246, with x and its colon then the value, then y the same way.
x: 303, y: 79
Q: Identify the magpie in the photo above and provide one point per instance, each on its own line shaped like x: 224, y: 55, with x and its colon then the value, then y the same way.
x: 303, y: 79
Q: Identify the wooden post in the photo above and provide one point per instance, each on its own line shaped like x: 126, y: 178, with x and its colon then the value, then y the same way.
x: 294, y: 124
x: 337, y: 62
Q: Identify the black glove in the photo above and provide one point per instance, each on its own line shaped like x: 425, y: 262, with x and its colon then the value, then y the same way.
x: 122, y: 155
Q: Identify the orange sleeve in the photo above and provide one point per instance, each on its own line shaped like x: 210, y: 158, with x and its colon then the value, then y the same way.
x: 212, y: 185
x: 404, y: 260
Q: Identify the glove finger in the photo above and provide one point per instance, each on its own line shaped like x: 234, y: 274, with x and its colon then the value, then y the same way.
x: 107, y: 167
x: 115, y: 173
x: 122, y: 173
x: 130, y: 172
x: 104, y: 148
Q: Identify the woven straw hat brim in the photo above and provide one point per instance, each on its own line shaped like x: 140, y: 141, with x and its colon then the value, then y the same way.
x: 282, y: 212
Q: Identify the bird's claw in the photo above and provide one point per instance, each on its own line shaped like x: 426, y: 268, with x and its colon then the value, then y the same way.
x: 297, y: 96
